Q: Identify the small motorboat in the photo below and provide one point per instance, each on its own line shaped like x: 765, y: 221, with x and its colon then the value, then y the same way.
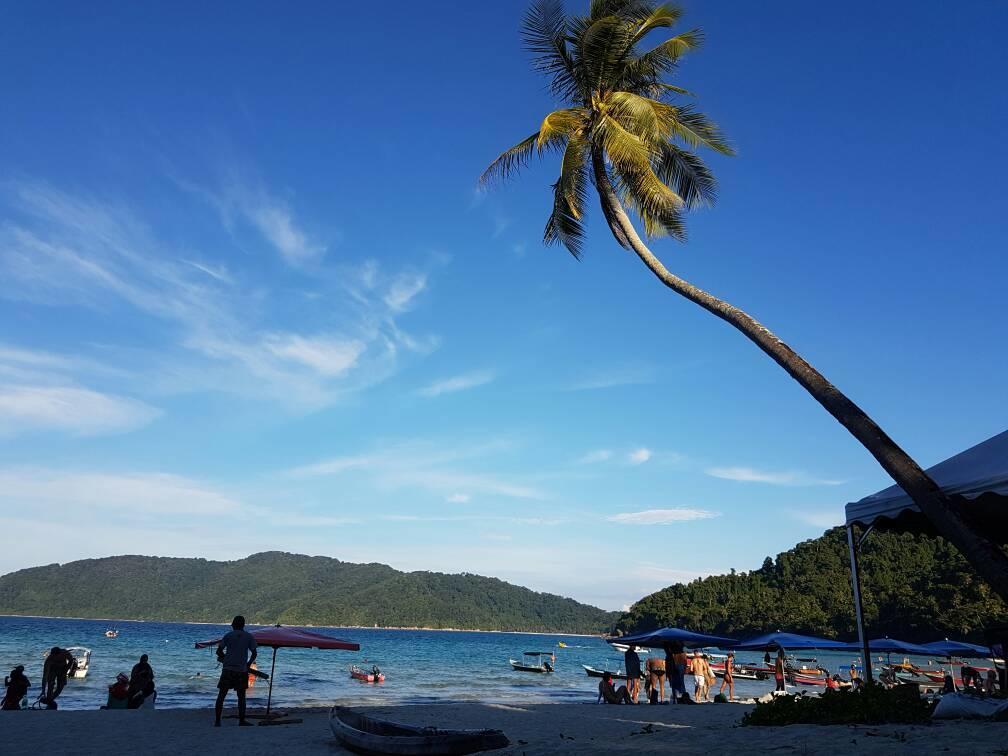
x: 367, y: 735
x: 741, y: 673
x: 374, y: 676
x: 618, y: 675
x: 112, y: 633
x: 799, y: 679
x: 624, y: 648
x: 561, y: 644
x: 81, y: 660
x: 534, y: 661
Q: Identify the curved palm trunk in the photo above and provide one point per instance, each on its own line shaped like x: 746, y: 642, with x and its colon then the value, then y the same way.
x: 986, y: 557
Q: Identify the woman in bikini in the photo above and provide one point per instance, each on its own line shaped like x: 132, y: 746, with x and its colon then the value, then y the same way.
x: 656, y: 676
x: 728, y: 680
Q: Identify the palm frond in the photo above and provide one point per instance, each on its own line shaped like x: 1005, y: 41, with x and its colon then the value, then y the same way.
x: 659, y: 207
x: 622, y: 147
x: 544, y: 30
x: 570, y: 194
x: 510, y: 161
x: 644, y: 117
x: 660, y: 60
x: 695, y: 129
x: 686, y: 174
x: 560, y: 125
x: 622, y: 8
x: 662, y: 16
x: 600, y: 50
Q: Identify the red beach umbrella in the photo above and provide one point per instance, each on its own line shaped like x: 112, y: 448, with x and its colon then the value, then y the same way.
x: 289, y: 637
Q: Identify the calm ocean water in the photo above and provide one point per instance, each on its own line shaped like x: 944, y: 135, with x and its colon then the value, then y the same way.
x: 421, y: 666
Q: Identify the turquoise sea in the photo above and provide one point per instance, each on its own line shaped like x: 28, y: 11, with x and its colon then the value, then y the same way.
x: 421, y: 666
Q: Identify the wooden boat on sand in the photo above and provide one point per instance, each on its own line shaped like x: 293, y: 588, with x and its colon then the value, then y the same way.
x: 367, y: 735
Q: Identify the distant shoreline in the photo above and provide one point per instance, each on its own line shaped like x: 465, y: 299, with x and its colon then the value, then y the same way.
x: 327, y: 627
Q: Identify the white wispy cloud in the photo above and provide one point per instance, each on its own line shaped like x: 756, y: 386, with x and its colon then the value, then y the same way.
x: 662, y: 516
x: 595, y: 457
x: 624, y: 376
x: 84, y: 251
x: 68, y: 493
x: 457, y: 383
x: 75, y: 410
x: 443, y: 470
x: 275, y: 223
x: 325, y: 355
x: 404, y: 289
x: 639, y: 456
x: 459, y: 498
x: 783, y: 478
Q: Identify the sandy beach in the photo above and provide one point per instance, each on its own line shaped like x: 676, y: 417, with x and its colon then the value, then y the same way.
x: 534, y: 729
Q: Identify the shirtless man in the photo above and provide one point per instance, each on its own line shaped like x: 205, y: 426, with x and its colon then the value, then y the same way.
x: 728, y: 680
x: 699, y: 676
x: 54, y: 674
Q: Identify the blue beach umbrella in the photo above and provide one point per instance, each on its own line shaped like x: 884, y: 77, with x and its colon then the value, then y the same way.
x: 658, y: 638
x: 957, y: 648
x: 893, y: 646
x: 787, y: 641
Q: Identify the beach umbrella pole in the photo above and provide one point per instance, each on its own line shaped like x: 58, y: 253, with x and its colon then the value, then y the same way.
x: 269, y: 697
x: 858, y: 611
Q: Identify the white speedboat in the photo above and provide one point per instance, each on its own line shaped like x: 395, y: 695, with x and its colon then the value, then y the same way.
x: 112, y: 633
x: 624, y: 648
x: 82, y: 659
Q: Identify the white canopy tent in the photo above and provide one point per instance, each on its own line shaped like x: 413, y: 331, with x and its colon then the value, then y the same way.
x: 973, y: 474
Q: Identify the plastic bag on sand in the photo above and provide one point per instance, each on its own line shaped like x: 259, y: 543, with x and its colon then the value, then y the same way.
x: 961, y: 706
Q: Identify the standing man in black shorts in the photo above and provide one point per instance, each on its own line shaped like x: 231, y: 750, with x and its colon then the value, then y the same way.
x: 233, y: 653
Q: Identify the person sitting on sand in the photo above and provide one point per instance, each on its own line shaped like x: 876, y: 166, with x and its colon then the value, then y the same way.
x: 631, y: 662
x: 990, y: 686
x: 233, y: 654
x: 118, y: 693
x: 15, y: 689
x: 610, y: 694
x: 54, y: 674
x: 655, y: 667
x: 141, y: 683
x: 729, y: 680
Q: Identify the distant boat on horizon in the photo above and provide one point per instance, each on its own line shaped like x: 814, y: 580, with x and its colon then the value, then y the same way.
x: 112, y: 633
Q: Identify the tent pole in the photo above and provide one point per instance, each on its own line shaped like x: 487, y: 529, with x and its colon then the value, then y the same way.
x: 858, y: 610
x: 269, y: 698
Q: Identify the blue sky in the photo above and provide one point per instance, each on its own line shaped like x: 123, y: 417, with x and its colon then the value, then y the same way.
x: 250, y: 298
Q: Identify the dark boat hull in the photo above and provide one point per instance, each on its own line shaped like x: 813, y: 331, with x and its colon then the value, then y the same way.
x: 592, y: 672
x: 366, y: 735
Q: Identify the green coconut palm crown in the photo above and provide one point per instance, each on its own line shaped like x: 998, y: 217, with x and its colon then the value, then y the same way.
x: 622, y: 113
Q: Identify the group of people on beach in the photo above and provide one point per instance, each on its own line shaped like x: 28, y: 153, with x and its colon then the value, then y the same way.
x: 127, y: 692
x: 236, y: 653
x: 679, y: 667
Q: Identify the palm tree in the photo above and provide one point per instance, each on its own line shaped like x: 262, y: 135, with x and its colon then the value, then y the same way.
x: 627, y: 132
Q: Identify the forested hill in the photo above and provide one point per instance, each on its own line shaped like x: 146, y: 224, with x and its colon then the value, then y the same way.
x: 289, y: 589
x: 916, y: 588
